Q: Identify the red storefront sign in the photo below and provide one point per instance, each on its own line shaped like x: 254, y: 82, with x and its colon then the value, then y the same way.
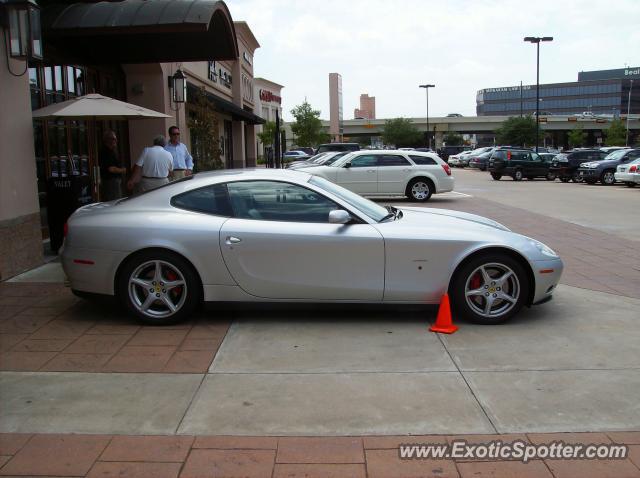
x: 269, y: 97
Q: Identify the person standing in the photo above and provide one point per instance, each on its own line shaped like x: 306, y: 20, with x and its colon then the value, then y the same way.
x: 111, y: 167
x: 182, y: 160
x: 153, y: 168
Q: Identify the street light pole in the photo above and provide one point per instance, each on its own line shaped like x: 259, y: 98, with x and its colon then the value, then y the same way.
x: 626, y: 142
x: 537, y: 41
x: 426, y: 87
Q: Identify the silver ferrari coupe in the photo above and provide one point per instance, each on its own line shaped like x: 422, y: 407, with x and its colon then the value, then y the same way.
x: 288, y: 236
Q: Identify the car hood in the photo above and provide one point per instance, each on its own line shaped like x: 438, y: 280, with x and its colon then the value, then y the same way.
x: 417, y: 215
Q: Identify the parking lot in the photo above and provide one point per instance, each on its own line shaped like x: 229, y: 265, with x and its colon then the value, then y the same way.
x: 570, y: 365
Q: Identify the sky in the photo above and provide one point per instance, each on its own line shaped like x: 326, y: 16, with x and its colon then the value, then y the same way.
x: 388, y: 48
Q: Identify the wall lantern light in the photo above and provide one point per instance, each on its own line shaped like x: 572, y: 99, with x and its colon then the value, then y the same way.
x: 178, y: 83
x: 22, y: 19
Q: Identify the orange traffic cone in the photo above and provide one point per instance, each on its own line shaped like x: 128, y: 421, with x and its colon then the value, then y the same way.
x: 443, y: 323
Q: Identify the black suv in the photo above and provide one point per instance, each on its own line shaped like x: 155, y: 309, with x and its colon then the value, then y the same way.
x: 565, y: 165
x: 518, y: 163
x: 323, y: 148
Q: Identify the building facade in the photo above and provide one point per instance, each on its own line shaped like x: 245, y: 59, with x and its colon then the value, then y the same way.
x: 54, y: 165
x: 367, y: 108
x: 336, y: 128
x: 603, y: 92
x: 268, y: 100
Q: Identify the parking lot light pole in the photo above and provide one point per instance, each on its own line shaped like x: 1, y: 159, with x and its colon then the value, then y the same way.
x: 537, y: 41
x: 426, y: 87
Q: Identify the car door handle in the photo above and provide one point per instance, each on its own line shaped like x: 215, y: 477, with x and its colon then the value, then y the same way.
x: 232, y: 240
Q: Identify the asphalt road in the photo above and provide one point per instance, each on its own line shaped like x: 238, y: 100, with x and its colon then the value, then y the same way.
x: 610, y: 209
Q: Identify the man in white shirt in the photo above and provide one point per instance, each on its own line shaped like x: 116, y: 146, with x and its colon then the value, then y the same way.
x: 153, y: 168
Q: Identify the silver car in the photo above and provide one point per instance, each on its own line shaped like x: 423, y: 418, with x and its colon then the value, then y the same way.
x: 288, y: 236
x: 628, y: 173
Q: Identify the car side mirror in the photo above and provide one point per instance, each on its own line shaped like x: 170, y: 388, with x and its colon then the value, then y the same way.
x: 348, y: 165
x: 339, y: 216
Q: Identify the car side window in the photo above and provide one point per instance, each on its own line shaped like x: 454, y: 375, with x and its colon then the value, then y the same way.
x: 364, y: 161
x: 278, y: 201
x: 392, y: 160
x: 632, y: 155
x: 534, y: 157
x: 422, y: 159
x: 211, y: 199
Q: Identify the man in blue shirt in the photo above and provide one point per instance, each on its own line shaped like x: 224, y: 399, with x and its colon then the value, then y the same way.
x: 182, y: 160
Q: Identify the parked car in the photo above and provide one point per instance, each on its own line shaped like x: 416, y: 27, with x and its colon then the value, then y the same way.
x: 480, y: 161
x: 269, y: 235
x: 425, y: 150
x: 390, y: 173
x: 462, y: 159
x: 298, y: 163
x: 309, y: 151
x: 325, y: 160
x: 447, y: 151
x: 605, y: 169
x: 629, y: 173
x: 295, y: 156
x: 518, y: 163
x: 338, y: 147
x: 565, y: 165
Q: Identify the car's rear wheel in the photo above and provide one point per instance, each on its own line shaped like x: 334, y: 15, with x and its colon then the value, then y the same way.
x: 551, y: 177
x: 496, y: 176
x: 420, y: 190
x: 517, y: 175
x: 159, y: 287
x: 576, y: 178
x: 607, y: 177
x: 490, y: 288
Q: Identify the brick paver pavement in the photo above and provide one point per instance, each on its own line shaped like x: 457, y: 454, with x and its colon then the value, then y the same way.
x: 340, y: 457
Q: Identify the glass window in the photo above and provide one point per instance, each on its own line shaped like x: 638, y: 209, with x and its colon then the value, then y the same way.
x: 58, y: 76
x: 71, y: 80
x: 393, y: 160
x: 48, y: 78
x: 364, y: 161
x: 422, y: 159
x: 210, y: 199
x: 278, y: 201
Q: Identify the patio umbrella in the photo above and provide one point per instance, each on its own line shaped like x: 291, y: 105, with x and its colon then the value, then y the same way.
x: 96, y: 107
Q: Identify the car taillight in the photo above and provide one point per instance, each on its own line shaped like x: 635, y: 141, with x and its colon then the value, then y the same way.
x: 65, y: 229
x: 447, y: 169
x: 508, y: 155
x: 633, y: 168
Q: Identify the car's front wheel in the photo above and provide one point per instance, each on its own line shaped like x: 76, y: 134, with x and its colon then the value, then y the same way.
x: 420, y: 190
x: 608, y: 178
x: 159, y: 287
x: 517, y: 175
x: 551, y: 177
x: 490, y: 288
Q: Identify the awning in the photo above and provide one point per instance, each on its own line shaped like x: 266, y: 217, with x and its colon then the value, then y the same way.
x: 225, y: 106
x: 139, y: 31
x: 96, y: 107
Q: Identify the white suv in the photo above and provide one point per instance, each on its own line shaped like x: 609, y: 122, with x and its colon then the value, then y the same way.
x: 414, y: 174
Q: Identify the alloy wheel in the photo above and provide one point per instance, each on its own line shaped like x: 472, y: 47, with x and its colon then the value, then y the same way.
x: 157, y: 289
x: 420, y: 190
x: 492, y: 290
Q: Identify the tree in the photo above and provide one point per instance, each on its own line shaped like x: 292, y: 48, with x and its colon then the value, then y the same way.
x: 616, y: 135
x: 577, y: 137
x: 307, y: 126
x: 517, y: 131
x: 452, y: 139
x: 204, y: 129
x: 268, y: 133
x: 401, y: 132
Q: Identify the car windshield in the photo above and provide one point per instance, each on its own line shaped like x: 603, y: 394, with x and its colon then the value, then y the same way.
x: 361, y: 204
x: 343, y: 160
x: 616, y: 154
x: 329, y: 161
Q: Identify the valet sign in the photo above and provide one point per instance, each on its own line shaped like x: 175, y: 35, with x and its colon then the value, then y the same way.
x: 268, y: 97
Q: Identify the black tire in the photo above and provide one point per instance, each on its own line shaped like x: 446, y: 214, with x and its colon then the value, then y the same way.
x: 550, y: 177
x: 607, y: 177
x: 517, y: 175
x: 426, y: 189
x: 496, y: 176
x: 630, y: 185
x: 185, y: 298
x: 575, y: 177
x: 465, y: 275
x: 483, y: 168
x: 565, y: 179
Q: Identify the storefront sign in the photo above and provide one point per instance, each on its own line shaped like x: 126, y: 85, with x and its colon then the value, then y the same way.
x: 506, y: 88
x: 211, y: 72
x: 268, y: 97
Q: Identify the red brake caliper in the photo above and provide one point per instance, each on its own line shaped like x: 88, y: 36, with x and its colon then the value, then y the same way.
x: 476, y: 281
x: 176, y: 291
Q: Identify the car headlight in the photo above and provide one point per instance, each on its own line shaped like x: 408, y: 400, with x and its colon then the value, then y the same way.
x: 543, y: 248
